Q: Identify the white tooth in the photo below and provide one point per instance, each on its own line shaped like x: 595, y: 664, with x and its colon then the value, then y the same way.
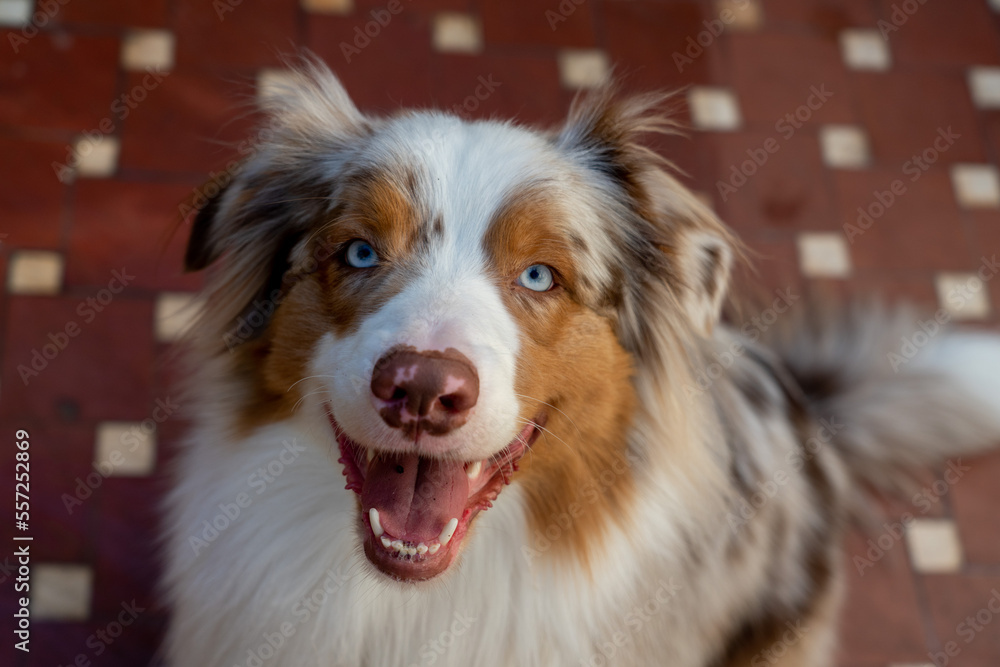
x: 386, y: 542
x: 410, y: 551
x: 376, y: 524
x: 448, y: 531
x: 397, y: 545
x: 474, y: 469
x: 433, y: 549
x: 421, y: 548
x: 371, y: 454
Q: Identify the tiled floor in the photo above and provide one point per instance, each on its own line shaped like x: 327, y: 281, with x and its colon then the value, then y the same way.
x: 853, y: 142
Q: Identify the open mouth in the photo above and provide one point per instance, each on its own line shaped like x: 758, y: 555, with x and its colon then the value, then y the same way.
x: 416, y: 510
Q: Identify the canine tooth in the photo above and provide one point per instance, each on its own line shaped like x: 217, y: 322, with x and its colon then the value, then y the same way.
x: 397, y: 545
x: 474, y: 469
x: 376, y: 524
x: 386, y: 542
x: 448, y: 531
x: 421, y: 548
x: 433, y: 549
x: 371, y: 454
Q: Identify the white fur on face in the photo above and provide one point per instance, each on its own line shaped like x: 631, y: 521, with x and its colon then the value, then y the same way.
x: 466, y: 171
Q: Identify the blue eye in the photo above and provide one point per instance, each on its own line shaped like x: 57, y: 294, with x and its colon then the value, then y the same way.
x: 361, y: 255
x: 537, y: 278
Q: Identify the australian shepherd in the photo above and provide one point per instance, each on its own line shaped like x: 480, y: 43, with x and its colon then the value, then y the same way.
x: 465, y: 396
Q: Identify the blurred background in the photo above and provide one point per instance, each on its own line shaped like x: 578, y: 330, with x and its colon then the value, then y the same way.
x: 852, y: 143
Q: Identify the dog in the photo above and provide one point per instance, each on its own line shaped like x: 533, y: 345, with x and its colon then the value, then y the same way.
x: 466, y: 395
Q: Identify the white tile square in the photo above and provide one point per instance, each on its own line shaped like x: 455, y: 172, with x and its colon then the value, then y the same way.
x: 844, y: 146
x: 126, y: 449
x: 964, y: 296
x: 583, y: 68
x: 35, y: 272
x: 714, y: 109
x: 328, y: 6
x: 746, y: 14
x: 933, y: 545
x: 457, y: 33
x: 824, y: 255
x: 976, y: 185
x: 995, y: 4
x: 142, y: 49
x: 984, y: 83
x: 61, y: 592
x: 97, y: 157
x: 175, y: 311
x: 16, y: 13
x: 274, y: 81
x: 864, y: 49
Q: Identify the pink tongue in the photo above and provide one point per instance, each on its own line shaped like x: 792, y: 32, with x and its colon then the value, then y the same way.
x: 415, y: 497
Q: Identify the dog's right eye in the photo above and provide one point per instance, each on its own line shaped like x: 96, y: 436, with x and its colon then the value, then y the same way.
x: 361, y: 255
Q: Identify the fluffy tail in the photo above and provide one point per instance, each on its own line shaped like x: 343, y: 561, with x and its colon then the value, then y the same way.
x: 910, y: 392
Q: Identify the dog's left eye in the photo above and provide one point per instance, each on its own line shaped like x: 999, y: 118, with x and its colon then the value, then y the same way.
x: 537, y: 278
x: 361, y: 255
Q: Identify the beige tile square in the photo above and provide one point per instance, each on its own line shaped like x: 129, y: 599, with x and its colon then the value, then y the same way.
x: 933, y: 545
x: 127, y: 449
x: 96, y: 158
x: 15, y: 13
x: 457, y: 33
x: 824, y: 255
x: 984, y: 82
x: 746, y: 14
x: 175, y: 311
x: 583, y: 68
x: 142, y: 49
x: 963, y: 295
x: 976, y: 185
x: 714, y: 109
x: 60, y: 592
x: 274, y: 81
x: 864, y: 49
x: 328, y: 6
x: 844, y: 146
x: 35, y: 272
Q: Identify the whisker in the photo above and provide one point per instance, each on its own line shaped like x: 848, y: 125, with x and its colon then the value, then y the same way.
x: 538, y: 400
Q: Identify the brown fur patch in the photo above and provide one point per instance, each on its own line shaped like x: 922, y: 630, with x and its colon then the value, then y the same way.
x: 578, y: 475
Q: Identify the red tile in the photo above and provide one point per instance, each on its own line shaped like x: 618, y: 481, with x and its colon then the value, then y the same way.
x: 966, y: 613
x: 987, y: 244
x: 389, y: 71
x: 58, y: 80
x: 133, y: 225
x: 901, y: 127
x: 780, y: 74
x: 191, y: 122
x: 103, y: 372
x: 565, y: 23
x: 919, y: 230
x: 525, y: 88
x: 32, y: 196
x: 786, y: 187
x: 643, y: 38
x: 774, y: 263
x: 936, y: 33
x: 247, y: 34
x: 976, y: 497
x: 120, y: 13
x: 881, y: 620
x: 828, y: 17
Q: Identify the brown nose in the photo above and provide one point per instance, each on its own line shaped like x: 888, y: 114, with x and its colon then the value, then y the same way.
x: 430, y: 391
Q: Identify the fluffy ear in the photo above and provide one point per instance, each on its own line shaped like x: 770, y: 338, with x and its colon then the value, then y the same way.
x: 250, y: 221
x: 679, y: 250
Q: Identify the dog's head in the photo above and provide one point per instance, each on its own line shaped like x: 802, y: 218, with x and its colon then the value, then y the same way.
x: 468, y: 302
